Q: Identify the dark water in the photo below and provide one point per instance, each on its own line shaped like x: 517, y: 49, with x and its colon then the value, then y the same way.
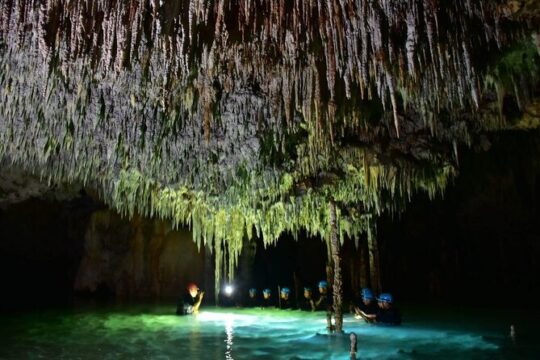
x: 151, y: 332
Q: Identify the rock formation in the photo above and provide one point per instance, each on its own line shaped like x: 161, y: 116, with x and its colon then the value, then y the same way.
x: 137, y: 258
x: 241, y: 118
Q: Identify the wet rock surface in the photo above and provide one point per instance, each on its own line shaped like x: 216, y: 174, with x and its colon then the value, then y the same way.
x: 137, y: 258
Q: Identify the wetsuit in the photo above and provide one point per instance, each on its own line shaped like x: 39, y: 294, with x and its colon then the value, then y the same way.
x: 185, y: 305
x: 305, y: 305
x: 357, y: 301
x: 370, y: 309
x: 253, y: 302
x: 286, y: 304
x: 327, y: 303
x: 267, y: 303
x: 388, y: 317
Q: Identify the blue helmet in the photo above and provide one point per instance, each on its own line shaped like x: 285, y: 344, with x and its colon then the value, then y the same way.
x: 323, y: 284
x: 252, y: 290
x: 285, y: 290
x: 367, y: 294
x: 386, y: 297
x: 307, y: 288
x: 267, y: 291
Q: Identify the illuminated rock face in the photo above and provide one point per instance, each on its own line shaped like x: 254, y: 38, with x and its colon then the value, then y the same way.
x: 137, y: 258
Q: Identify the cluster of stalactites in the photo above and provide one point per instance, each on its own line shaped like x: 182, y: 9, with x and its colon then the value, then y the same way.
x: 297, y: 52
x: 92, y: 90
x: 92, y: 87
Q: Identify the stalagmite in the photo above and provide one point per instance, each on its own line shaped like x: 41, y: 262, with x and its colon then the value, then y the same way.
x: 354, y: 346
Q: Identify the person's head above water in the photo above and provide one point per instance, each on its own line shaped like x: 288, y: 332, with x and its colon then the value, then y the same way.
x: 385, y: 300
x: 307, y: 293
x: 323, y: 286
x: 284, y: 293
x: 367, y: 296
x: 252, y: 293
x: 267, y: 293
x: 193, y: 289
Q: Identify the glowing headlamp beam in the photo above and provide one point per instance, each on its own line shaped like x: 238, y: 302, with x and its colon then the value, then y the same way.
x: 229, y: 289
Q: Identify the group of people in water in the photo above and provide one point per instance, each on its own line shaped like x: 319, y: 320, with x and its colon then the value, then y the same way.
x: 284, y: 301
x: 367, y: 307
x: 380, y: 310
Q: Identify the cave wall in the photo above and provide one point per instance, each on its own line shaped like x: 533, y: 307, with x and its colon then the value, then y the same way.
x: 478, y: 242
x: 40, y: 250
x: 53, y: 252
x: 481, y: 242
x: 137, y: 258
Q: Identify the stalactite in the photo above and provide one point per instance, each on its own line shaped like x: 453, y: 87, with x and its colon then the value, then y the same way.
x: 412, y: 39
x: 216, y: 105
x: 336, y: 25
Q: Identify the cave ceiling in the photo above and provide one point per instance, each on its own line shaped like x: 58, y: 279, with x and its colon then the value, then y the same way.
x: 246, y: 117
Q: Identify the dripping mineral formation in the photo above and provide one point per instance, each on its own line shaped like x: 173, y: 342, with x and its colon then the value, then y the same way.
x: 247, y: 117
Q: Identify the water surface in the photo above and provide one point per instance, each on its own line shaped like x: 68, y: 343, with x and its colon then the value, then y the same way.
x: 153, y: 332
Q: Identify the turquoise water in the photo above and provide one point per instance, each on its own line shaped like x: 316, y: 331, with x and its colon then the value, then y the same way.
x: 151, y: 332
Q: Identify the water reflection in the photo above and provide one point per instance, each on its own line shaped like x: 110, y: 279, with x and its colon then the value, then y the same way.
x: 229, y: 339
x: 195, y: 337
x: 140, y: 334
